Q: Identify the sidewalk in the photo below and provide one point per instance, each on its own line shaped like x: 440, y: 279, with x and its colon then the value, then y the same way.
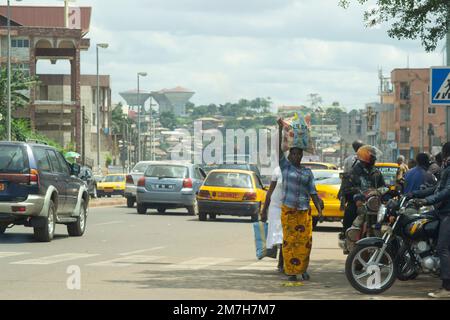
x: 107, y: 202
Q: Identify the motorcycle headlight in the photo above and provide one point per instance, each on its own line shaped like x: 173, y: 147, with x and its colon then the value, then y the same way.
x: 381, y: 214
x: 374, y: 204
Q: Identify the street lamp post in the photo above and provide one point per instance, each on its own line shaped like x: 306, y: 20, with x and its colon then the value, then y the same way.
x: 103, y: 46
x: 8, y: 117
x: 140, y: 74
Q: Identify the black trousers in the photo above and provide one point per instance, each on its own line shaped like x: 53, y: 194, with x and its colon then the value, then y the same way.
x: 443, y: 247
x: 350, y: 214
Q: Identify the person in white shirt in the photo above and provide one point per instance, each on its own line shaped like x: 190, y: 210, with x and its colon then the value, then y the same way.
x: 272, y: 214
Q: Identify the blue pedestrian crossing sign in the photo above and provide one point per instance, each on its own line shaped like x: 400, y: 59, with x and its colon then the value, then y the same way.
x: 440, y: 86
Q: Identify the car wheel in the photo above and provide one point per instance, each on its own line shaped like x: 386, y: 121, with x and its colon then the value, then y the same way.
x: 109, y: 196
x: 130, y: 202
x: 202, y: 216
x: 161, y: 210
x: 78, y: 228
x: 46, y: 233
x: 212, y: 216
x: 141, y: 208
x: 3, y: 228
x: 193, y: 210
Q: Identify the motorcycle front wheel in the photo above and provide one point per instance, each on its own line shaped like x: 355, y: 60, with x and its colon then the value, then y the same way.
x: 367, y: 276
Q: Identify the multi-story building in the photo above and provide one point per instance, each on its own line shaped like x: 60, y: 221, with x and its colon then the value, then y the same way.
x: 353, y: 127
x: 45, y: 33
x: 54, y: 118
x: 418, y: 126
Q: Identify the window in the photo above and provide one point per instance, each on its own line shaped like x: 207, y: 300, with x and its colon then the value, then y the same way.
x: 13, y: 159
x: 431, y: 110
x: 20, y: 43
x: 42, y: 161
x: 405, y: 112
x: 63, y: 164
x: 55, y: 163
x: 404, y: 91
x: 230, y: 180
x: 404, y: 135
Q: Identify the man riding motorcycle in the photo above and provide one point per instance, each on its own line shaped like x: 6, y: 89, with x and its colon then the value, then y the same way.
x: 439, y: 196
x: 363, y: 176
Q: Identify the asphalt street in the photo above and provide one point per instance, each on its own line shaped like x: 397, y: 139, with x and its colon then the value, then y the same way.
x: 124, y: 255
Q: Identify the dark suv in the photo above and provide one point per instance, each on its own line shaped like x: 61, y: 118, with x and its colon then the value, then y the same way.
x: 39, y: 189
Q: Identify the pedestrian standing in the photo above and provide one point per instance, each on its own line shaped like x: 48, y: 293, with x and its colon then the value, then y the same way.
x: 402, y: 170
x: 272, y: 213
x: 296, y: 217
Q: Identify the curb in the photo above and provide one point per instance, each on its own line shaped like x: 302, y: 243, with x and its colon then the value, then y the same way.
x: 95, y: 203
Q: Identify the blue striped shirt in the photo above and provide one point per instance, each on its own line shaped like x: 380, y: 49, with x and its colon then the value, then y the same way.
x: 298, y: 185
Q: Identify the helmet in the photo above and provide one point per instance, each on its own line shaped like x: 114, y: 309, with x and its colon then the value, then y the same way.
x: 367, y: 154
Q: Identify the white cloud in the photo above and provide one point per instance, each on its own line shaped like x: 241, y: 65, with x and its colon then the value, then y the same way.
x: 231, y: 49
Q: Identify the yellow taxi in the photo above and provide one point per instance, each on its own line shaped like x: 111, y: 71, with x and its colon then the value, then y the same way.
x: 112, y: 184
x: 328, y: 183
x: 231, y: 192
x: 319, y: 166
x: 389, y: 172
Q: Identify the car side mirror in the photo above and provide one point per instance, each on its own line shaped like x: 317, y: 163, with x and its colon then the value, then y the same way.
x: 75, y: 169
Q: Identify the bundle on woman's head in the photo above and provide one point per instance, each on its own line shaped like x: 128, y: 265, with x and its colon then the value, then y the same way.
x: 297, y: 134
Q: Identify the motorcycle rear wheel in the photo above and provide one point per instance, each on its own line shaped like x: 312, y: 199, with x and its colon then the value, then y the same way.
x: 356, y: 268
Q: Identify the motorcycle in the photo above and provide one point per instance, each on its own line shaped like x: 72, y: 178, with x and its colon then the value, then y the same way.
x: 371, y: 216
x: 375, y: 263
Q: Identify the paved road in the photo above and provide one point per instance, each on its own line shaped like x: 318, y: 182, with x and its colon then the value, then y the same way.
x: 170, y: 256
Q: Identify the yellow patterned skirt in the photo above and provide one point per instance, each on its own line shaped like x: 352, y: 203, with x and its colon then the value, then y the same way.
x: 297, y: 240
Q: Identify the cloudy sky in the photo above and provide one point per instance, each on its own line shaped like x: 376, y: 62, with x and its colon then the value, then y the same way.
x: 225, y: 50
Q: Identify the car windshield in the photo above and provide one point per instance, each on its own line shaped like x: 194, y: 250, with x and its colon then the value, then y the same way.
x: 13, y: 159
x: 315, y: 166
x: 389, y: 174
x: 114, y: 179
x: 167, y: 171
x: 229, y: 179
x: 326, y: 178
x: 140, y: 167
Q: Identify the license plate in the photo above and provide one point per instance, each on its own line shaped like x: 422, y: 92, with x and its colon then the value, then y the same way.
x: 109, y: 190
x: 2, y: 187
x: 166, y: 186
x: 227, y: 195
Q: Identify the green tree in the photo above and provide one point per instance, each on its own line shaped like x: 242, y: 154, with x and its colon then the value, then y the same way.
x: 20, y: 86
x: 428, y: 20
x: 168, y: 120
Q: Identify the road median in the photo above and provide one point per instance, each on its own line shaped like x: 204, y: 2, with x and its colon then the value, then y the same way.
x: 109, y: 202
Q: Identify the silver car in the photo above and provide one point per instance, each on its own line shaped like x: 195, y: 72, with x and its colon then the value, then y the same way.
x: 132, y: 181
x: 169, y: 186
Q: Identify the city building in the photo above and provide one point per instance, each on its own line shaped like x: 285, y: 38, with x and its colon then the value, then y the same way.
x: 54, y: 117
x: 418, y: 126
x: 353, y: 127
x: 173, y: 100
x: 45, y: 33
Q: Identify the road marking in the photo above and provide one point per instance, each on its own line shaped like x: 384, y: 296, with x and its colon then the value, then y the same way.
x: 12, y: 254
x: 56, y: 259
x: 260, y: 265
x: 141, y: 251
x: 126, y: 261
x: 199, y: 263
x: 108, y: 223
